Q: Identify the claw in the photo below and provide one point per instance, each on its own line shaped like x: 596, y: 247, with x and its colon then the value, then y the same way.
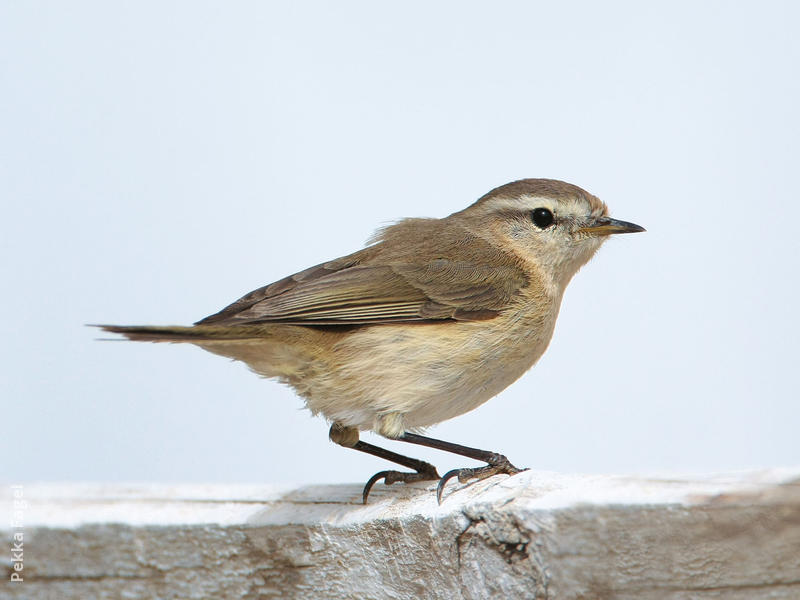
x: 391, y: 477
x: 464, y: 475
x: 447, y: 477
x: 372, y: 481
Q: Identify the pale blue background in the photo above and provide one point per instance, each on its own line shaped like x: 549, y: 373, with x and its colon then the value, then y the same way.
x: 159, y: 159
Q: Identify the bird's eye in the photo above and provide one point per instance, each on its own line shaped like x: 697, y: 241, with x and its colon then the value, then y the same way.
x: 542, y: 218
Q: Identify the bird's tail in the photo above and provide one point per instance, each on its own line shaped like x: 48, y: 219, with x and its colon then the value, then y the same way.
x: 269, y: 349
x: 177, y: 333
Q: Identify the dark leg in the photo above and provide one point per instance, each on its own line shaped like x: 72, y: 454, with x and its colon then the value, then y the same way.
x: 348, y: 437
x: 497, y: 463
x: 424, y: 471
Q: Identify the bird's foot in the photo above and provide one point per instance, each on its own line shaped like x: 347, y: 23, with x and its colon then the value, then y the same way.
x: 426, y: 472
x: 498, y: 465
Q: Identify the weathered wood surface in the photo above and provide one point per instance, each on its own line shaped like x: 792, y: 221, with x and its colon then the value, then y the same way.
x: 535, y: 535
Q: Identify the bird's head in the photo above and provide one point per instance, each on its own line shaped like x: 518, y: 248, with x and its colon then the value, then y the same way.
x: 552, y: 224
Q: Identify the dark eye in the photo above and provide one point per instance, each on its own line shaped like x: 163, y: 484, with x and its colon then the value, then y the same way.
x: 542, y: 218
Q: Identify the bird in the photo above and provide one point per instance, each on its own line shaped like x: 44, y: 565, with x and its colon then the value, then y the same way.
x: 432, y: 318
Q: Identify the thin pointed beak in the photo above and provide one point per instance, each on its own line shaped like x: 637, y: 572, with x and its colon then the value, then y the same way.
x: 607, y: 226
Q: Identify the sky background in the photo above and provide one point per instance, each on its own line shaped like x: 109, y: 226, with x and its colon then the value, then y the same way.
x: 160, y: 159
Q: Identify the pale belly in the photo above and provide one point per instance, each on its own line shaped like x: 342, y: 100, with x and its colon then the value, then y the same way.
x: 420, y: 375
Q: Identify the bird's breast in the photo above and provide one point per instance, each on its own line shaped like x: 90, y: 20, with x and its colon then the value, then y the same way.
x: 432, y: 372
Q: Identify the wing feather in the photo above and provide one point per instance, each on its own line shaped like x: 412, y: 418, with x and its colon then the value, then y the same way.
x: 376, y: 285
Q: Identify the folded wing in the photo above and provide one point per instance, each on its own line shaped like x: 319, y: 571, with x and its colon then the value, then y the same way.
x: 348, y: 292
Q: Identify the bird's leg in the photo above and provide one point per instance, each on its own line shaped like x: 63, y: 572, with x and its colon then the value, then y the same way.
x: 497, y: 463
x: 348, y: 437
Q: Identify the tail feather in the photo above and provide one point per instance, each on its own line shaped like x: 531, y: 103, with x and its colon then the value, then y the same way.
x: 271, y: 350
x: 177, y: 333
